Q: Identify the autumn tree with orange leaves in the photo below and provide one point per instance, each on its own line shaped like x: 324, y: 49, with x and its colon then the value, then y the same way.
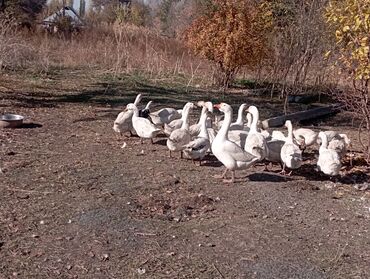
x: 230, y: 33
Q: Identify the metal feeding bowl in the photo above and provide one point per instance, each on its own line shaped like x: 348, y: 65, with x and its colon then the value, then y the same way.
x: 11, y: 120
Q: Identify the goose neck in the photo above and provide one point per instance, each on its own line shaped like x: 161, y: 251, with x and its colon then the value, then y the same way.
x: 226, y: 124
x: 240, y: 119
x: 255, y: 117
x: 203, y: 126
x: 290, y: 132
x: 185, y: 118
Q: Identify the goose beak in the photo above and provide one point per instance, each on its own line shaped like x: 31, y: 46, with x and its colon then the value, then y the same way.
x: 217, y: 106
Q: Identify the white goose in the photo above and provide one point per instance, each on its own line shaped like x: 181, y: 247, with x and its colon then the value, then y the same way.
x: 123, y: 122
x: 198, y: 147
x: 179, y: 138
x: 177, y: 123
x: 305, y: 137
x: 329, y: 160
x: 239, y: 123
x: 340, y: 143
x: 290, y: 154
x: 255, y: 142
x: 232, y: 156
x: 195, y: 128
x: 143, y: 127
x: 165, y: 115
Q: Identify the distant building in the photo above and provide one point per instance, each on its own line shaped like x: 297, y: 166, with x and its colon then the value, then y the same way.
x: 67, y: 11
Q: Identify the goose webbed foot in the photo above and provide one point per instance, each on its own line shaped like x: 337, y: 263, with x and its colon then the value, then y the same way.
x: 232, y: 180
x: 283, y: 172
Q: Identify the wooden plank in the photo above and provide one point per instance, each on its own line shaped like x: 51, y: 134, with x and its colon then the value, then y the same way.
x: 301, y: 115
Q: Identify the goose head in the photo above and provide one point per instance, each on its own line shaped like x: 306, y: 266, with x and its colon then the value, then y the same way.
x: 243, y: 106
x: 131, y: 107
x: 346, y: 139
x: 253, y: 110
x: 223, y: 107
x: 323, y: 137
x: 288, y: 124
x: 189, y: 105
x: 209, y: 106
x: 138, y: 99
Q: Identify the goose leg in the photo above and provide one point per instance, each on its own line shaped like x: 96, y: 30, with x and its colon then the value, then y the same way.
x: 221, y: 176
x: 232, y: 180
x: 141, y: 140
x: 170, y: 154
x: 181, y: 155
x: 283, y: 172
x: 131, y: 134
x: 151, y: 140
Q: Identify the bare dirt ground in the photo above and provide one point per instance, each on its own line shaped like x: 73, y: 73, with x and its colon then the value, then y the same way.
x: 74, y: 204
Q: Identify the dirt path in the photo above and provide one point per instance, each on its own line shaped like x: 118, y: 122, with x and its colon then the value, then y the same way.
x: 74, y: 204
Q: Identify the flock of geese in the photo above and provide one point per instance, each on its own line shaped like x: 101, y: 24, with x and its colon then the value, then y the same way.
x: 237, y: 145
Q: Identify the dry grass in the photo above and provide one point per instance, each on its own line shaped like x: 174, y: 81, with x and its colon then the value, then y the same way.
x: 118, y: 49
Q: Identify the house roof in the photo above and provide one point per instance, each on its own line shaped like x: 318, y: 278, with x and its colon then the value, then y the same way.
x: 68, y: 11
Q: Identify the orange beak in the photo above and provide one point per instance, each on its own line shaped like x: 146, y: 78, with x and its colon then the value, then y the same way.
x: 217, y: 106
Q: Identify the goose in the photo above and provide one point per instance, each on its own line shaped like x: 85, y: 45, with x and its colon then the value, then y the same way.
x: 329, y: 160
x: 274, y: 149
x: 123, y: 122
x: 179, y: 138
x: 177, y: 123
x: 239, y: 123
x: 143, y: 127
x: 195, y: 128
x: 255, y: 142
x: 238, y: 137
x: 290, y: 154
x: 305, y: 137
x: 232, y: 156
x: 278, y: 135
x: 197, y: 148
x: 340, y: 143
x: 165, y: 115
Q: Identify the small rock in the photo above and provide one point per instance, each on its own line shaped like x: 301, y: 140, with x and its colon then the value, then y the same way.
x: 177, y: 219
x: 124, y: 145
x: 141, y: 271
x: 35, y: 236
x: 69, y: 267
x: 42, y: 222
x: 362, y: 187
x: 91, y: 254
x: 264, y: 217
x: 171, y: 254
x: 210, y: 245
x: 105, y: 257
